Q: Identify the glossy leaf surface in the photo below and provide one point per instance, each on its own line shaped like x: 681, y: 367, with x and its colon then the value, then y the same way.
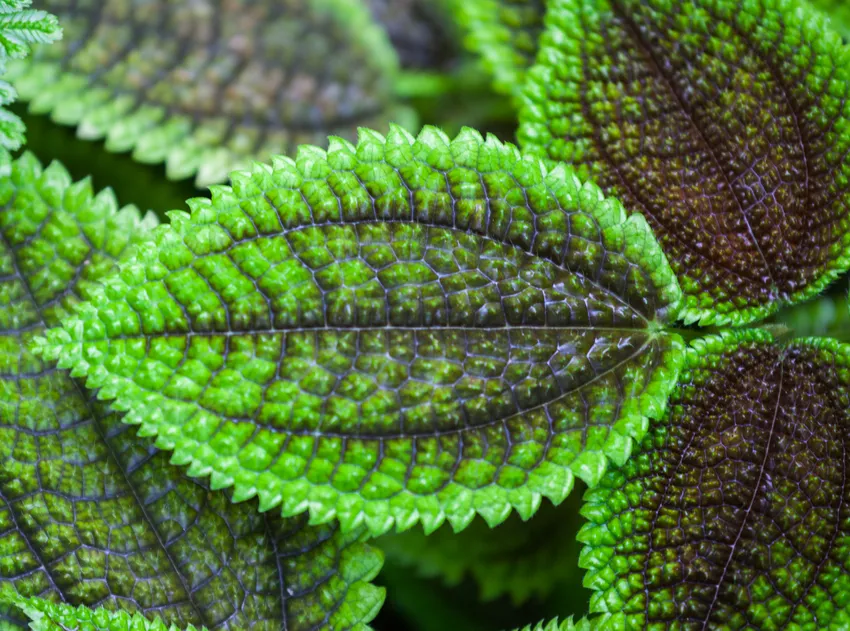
x: 409, y: 329
x: 91, y: 514
x: 734, y: 512
x: 505, y: 33
x: 724, y: 123
x: 209, y: 86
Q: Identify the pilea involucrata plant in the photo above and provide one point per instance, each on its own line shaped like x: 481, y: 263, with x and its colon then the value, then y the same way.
x: 374, y: 341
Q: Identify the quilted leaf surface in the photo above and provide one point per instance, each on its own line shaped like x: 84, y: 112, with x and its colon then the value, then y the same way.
x: 407, y: 329
x: 734, y: 513
x: 724, y: 123
x: 91, y: 514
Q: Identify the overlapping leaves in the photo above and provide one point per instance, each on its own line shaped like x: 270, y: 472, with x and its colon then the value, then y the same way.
x: 91, y: 514
x: 734, y: 514
x: 407, y: 329
x: 206, y: 87
x: 724, y: 123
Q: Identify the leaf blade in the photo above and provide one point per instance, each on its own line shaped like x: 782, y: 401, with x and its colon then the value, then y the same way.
x: 624, y: 92
x: 396, y: 282
x: 740, y: 482
x: 91, y: 514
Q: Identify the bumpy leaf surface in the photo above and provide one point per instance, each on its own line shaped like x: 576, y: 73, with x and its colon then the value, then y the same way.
x: 44, y: 615
x: 407, y: 329
x: 724, y: 123
x: 208, y: 86
x: 505, y: 33
x: 20, y: 27
x: 418, y: 30
x: 598, y: 623
x: 734, y: 513
x: 522, y: 559
x: 89, y: 513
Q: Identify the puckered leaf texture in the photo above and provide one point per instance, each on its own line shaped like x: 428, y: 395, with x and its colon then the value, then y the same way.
x: 505, y: 33
x: 410, y: 329
x: 724, y: 122
x: 734, y: 513
x: 598, y: 623
x: 44, y: 615
x: 92, y: 515
x: 207, y: 87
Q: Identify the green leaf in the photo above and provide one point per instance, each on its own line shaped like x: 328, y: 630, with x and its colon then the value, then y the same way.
x: 412, y: 329
x: 209, y: 90
x: 92, y: 515
x: 734, y: 512
x: 838, y: 12
x: 725, y: 123
x: 597, y: 623
x: 505, y: 33
x: 19, y: 28
x: 418, y: 30
x: 47, y: 616
x: 523, y: 559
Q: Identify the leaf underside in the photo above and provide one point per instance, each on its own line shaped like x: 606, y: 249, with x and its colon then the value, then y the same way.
x: 734, y: 512
x: 409, y: 329
x: 505, y: 33
x: 418, y: 30
x: 92, y: 515
x: 209, y: 87
x: 724, y: 123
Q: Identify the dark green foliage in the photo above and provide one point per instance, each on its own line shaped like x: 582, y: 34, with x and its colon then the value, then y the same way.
x: 91, y: 514
x: 734, y: 514
x: 419, y: 30
x: 724, y: 124
x: 207, y: 88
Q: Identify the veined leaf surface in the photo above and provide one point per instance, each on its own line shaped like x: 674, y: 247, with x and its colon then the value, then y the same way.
x: 44, y: 615
x: 92, y: 515
x: 724, y: 123
x: 407, y: 329
x: 734, y: 512
x: 505, y: 33
x: 206, y: 86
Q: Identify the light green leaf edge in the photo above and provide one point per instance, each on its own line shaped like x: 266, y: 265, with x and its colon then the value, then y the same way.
x: 455, y: 503
x: 491, y: 39
x: 605, y: 622
x: 49, y: 616
x: 533, y: 126
x: 838, y: 12
x: 146, y: 130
